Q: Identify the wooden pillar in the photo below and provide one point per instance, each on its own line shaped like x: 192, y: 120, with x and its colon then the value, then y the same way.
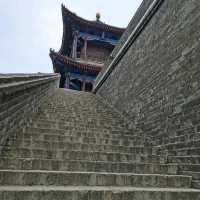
x: 83, y: 85
x: 67, y: 82
x: 85, y: 48
x: 62, y: 80
x: 74, y: 48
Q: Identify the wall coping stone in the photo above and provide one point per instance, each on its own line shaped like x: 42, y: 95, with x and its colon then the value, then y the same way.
x: 14, y: 83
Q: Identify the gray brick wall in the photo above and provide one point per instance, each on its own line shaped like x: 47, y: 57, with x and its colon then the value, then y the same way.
x: 133, y: 23
x: 156, y: 84
x: 20, y: 96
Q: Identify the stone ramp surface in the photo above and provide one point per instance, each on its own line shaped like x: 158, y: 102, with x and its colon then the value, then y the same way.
x: 77, y: 147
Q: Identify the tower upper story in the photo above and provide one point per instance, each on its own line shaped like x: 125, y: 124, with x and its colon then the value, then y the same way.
x: 85, y: 46
x: 99, y: 37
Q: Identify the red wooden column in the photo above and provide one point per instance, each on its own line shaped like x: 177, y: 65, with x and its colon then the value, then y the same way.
x: 74, y: 48
x: 67, y: 82
x: 83, y: 85
x: 85, y: 48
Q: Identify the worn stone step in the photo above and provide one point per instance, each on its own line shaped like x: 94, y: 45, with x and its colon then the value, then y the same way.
x: 68, y: 138
x: 62, y: 105
x: 185, y: 152
x: 97, y: 110
x: 97, y: 118
x: 52, y: 145
x: 63, y: 124
x: 75, y: 131
x: 70, y: 154
x: 65, y: 106
x: 176, y: 139
x: 80, y: 114
x: 46, y: 123
x: 184, y: 159
x: 92, y: 166
x: 153, y: 159
x: 195, y: 175
x: 82, y: 124
x: 195, y: 178
x: 180, y: 145
x: 66, y: 178
x: 94, y: 192
x: 196, y: 184
x: 54, y: 140
x: 98, y: 107
x: 188, y: 167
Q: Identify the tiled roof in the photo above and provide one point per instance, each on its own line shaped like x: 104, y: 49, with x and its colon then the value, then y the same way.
x: 79, y: 65
x: 95, y: 24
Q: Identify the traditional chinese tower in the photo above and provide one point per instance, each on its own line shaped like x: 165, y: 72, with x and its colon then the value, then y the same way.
x: 85, y: 47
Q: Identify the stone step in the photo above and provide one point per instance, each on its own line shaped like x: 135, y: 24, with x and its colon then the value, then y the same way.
x: 61, y: 145
x: 137, y: 151
x: 184, y: 159
x: 195, y: 178
x: 80, y: 114
x: 196, y: 184
x: 61, y: 124
x: 62, y: 107
x: 153, y: 159
x: 65, y: 105
x: 195, y: 175
x: 91, y: 116
x: 97, y: 116
x: 180, y: 145
x: 68, y: 154
x: 176, y: 139
x: 185, y: 152
x: 188, y: 167
x: 79, y: 133
x: 85, y: 166
x: 68, y: 138
x: 53, y: 140
x: 95, y: 192
x: 66, y: 178
x: 96, y: 110
x: 64, y: 124
x: 81, y: 123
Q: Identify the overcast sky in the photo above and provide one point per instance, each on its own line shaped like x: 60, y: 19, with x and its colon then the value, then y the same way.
x: 28, y: 29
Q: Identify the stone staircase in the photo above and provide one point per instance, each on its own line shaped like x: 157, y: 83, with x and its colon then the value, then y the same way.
x: 184, y: 151
x: 76, y: 147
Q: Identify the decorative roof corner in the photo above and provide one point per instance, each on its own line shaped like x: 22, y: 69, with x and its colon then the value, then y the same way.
x: 68, y: 61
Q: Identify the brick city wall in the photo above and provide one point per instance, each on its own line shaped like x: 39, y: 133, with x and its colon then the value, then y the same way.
x: 156, y: 84
x: 133, y: 23
x: 20, y: 96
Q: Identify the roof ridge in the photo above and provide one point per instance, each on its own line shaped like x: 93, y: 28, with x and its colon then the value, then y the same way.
x: 102, y: 25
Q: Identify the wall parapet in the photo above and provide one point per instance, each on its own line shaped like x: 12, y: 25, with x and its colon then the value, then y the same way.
x: 20, y: 97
